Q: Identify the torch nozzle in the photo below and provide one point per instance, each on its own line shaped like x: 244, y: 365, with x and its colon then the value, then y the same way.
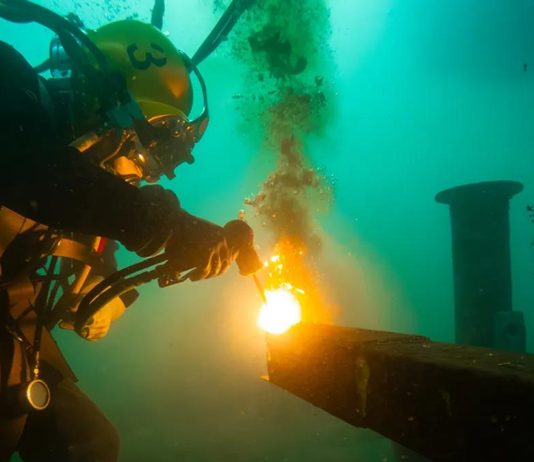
x: 260, y: 288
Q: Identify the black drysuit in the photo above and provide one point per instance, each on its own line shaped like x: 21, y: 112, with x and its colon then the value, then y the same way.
x: 42, y: 178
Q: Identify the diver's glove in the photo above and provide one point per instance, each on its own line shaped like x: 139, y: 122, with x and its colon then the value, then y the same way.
x: 199, y: 244
x: 98, y: 326
x: 190, y: 242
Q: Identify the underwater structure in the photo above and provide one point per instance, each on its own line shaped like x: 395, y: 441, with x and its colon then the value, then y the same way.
x: 446, y: 402
x: 480, y: 223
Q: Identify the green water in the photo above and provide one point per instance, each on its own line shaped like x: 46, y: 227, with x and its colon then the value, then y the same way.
x: 422, y: 96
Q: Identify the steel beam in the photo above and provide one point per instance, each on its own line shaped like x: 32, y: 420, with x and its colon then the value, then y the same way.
x: 446, y: 402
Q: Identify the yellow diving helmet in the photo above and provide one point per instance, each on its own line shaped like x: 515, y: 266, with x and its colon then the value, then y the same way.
x: 156, y: 72
x: 156, y: 75
x: 130, y: 74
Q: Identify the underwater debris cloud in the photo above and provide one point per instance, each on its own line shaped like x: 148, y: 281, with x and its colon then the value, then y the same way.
x: 284, y: 202
x: 288, y: 95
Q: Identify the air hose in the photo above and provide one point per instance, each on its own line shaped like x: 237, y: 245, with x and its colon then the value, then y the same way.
x: 238, y: 235
x: 119, y: 283
x: 221, y: 30
x: 23, y: 11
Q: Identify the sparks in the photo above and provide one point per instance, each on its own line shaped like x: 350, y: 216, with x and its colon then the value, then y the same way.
x: 281, y: 312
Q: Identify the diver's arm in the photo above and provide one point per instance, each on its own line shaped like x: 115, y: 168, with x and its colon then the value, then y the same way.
x: 59, y: 187
x: 63, y: 189
x: 54, y: 184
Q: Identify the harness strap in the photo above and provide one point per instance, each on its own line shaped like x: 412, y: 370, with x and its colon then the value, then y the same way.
x: 11, y: 224
x: 68, y: 248
x: 22, y: 295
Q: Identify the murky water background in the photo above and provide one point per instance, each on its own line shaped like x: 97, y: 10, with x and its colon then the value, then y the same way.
x: 420, y: 96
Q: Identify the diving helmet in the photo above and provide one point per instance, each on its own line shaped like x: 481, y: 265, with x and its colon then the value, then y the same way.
x: 157, y: 77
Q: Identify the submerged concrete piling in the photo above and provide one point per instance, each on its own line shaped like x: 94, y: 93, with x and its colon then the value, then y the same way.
x: 482, y: 265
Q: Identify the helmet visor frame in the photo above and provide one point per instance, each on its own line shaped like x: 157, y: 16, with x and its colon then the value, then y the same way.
x: 172, y: 138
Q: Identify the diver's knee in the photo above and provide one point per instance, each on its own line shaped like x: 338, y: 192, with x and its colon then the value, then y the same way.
x: 115, y: 443
x: 107, y: 446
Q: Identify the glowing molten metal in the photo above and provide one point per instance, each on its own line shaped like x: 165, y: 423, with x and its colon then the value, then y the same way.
x: 280, y: 312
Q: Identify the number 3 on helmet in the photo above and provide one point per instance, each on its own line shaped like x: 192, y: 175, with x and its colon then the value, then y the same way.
x: 157, y: 75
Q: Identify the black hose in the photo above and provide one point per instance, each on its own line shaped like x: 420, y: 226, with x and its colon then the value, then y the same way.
x: 221, y: 30
x: 88, y: 310
x: 157, y: 14
x: 238, y: 235
x: 43, y: 67
x: 23, y: 11
x: 89, y: 306
x: 10, y: 12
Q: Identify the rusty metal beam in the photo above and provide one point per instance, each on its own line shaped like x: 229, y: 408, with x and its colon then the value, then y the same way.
x: 446, y: 402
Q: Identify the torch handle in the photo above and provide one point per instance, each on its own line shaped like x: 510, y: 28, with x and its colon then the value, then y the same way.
x: 240, y: 237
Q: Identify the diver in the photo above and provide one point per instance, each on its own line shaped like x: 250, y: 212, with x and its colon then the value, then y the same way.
x: 75, y: 150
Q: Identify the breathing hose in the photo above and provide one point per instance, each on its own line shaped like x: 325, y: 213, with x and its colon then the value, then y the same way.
x: 221, y: 30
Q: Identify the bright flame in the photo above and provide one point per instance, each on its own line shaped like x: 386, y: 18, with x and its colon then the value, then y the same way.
x: 280, y: 313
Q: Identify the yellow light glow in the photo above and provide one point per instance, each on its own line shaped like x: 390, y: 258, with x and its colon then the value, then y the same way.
x: 280, y: 313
